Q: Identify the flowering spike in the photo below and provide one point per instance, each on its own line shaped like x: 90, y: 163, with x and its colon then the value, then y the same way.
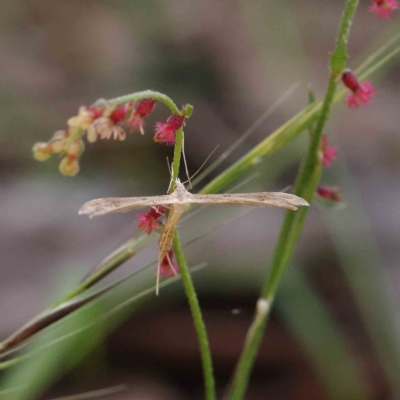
x: 384, y: 8
x: 361, y: 93
x: 329, y: 193
x: 327, y: 153
x: 102, y: 120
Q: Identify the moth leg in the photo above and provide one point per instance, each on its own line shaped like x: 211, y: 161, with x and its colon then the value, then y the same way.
x: 184, y: 160
x: 158, y: 278
x: 171, y: 265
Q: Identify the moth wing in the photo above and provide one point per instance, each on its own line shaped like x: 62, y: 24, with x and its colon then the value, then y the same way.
x: 268, y: 199
x: 98, y: 207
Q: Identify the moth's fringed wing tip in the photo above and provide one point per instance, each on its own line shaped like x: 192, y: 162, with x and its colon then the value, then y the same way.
x: 83, y: 210
x: 304, y: 203
x: 301, y: 202
x: 87, y: 209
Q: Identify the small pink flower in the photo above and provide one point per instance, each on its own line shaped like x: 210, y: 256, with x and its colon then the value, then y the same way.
x: 96, y: 112
x: 148, y: 222
x: 168, y: 267
x: 143, y: 108
x: 176, y: 121
x: 384, y: 8
x: 327, y: 153
x: 157, y: 212
x: 361, y: 92
x: 164, y: 134
x: 329, y: 193
x: 119, y: 113
x: 165, y: 131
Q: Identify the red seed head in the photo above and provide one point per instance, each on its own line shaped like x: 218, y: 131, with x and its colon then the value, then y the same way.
x: 119, y: 114
x: 328, y: 153
x: 350, y: 81
x: 384, y: 8
x: 330, y: 193
x: 164, y: 134
x: 96, y: 112
x: 147, y: 223
x: 175, y: 122
x: 144, y: 107
x: 157, y: 212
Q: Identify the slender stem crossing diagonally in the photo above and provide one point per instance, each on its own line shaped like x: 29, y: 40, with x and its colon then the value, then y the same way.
x: 306, y: 185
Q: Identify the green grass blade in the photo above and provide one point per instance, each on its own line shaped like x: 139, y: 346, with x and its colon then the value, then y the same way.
x: 322, y: 339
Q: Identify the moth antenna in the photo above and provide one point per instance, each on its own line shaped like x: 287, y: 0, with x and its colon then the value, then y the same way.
x: 169, y: 167
x: 202, y: 165
x: 286, y: 189
x: 184, y: 160
x: 170, y: 264
x: 158, y: 278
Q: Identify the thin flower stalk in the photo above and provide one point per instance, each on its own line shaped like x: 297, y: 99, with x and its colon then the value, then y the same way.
x: 305, y: 187
x: 109, y: 313
x: 208, y: 374
x: 190, y: 290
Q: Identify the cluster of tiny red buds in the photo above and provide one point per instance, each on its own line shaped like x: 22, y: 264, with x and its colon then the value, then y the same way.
x: 99, y: 121
x: 165, y: 131
x: 329, y: 193
x: 149, y: 222
x: 105, y: 122
x: 327, y: 153
x: 361, y: 93
x: 384, y: 8
x: 142, y: 109
x: 167, y: 267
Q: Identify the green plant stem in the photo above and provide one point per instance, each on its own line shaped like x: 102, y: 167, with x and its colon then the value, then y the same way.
x: 306, y: 184
x: 197, y: 319
x: 125, y: 252
x: 146, y: 94
x: 100, y: 319
x: 189, y: 287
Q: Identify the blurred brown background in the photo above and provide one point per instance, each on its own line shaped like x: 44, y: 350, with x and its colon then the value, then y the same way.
x: 231, y: 60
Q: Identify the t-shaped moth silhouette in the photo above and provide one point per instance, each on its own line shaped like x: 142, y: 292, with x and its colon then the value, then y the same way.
x: 179, y: 200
